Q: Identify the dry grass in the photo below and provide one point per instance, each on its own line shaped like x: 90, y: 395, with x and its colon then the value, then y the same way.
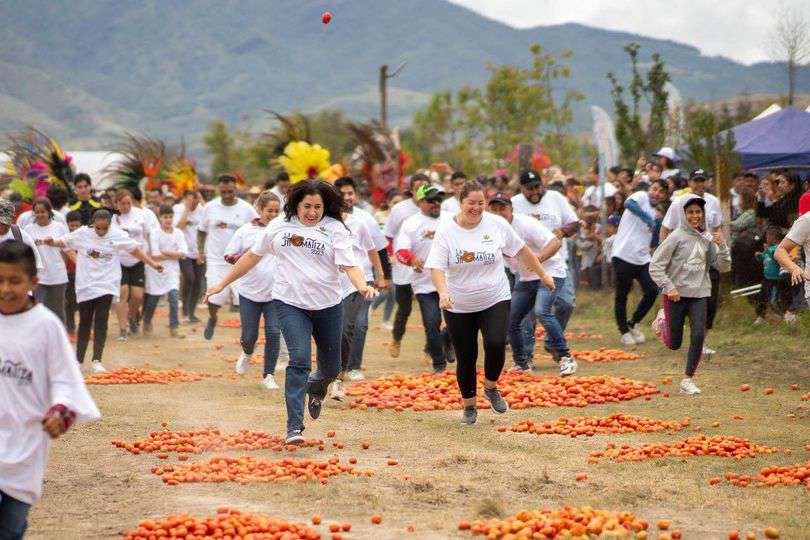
x: 94, y: 490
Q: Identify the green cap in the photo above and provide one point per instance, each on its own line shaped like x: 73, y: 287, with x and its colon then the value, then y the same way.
x: 429, y: 191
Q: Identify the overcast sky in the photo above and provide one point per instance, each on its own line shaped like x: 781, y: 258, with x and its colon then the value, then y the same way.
x: 737, y: 29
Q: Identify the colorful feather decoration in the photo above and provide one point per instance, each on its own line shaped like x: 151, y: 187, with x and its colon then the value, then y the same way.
x: 36, y: 161
x: 303, y: 161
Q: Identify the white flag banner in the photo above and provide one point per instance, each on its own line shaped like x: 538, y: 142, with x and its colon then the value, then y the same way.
x: 604, y: 135
x: 676, y: 113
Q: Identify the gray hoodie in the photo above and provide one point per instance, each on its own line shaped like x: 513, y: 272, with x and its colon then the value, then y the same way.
x: 682, y: 261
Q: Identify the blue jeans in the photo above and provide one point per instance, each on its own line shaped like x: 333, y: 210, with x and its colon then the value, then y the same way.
x: 13, y: 517
x: 432, y: 321
x: 250, y: 312
x: 528, y: 297
x: 151, y: 303
x: 359, y: 342
x: 388, y: 309
x: 299, y: 327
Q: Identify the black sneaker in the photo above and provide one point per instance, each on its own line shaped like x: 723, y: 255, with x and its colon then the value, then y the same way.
x: 294, y: 437
x: 450, y: 354
x: 499, y: 405
x: 314, y: 406
x: 470, y: 416
x: 439, y: 370
x: 210, y: 326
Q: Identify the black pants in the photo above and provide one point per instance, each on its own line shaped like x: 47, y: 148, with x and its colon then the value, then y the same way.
x: 70, y: 304
x: 95, y: 313
x: 676, y: 313
x: 352, y: 305
x: 193, y: 274
x: 403, y: 294
x: 493, y: 324
x: 714, y: 299
x: 626, y: 273
x: 437, y: 341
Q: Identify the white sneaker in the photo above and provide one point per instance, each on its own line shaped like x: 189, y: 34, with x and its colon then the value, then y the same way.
x: 387, y: 326
x: 790, y: 318
x: 98, y: 368
x: 282, y: 364
x: 568, y: 366
x: 243, y: 363
x: 758, y: 321
x: 337, y: 393
x: 628, y: 340
x: 688, y: 387
x: 638, y: 337
x: 356, y: 375
x: 269, y: 382
x: 123, y: 335
x: 708, y: 352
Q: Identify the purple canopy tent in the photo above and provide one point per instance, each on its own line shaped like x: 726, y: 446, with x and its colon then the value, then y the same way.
x: 781, y: 139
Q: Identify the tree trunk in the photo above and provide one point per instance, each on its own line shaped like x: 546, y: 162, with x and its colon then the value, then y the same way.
x: 791, y: 65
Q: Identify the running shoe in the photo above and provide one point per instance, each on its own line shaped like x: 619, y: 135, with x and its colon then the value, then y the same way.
x: 499, y: 405
x: 210, y: 326
x: 269, y: 382
x: 147, y: 329
x: 520, y: 366
x: 314, y: 405
x: 98, y: 367
x: 628, y: 340
x: 439, y: 370
x: 688, y: 387
x: 393, y: 349
x: 638, y: 336
x: 134, y: 326
x: 790, y: 318
x: 758, y: 321
x: 123, y: 335
x: 294, y: 437
x: 568, y: 366
x: 450, y: 354
x: 356, y: 375
x: 470, y: 415
x: 337, y: 392
x: 175, y: 333
x: 708, y: 352
x: 243, y: 363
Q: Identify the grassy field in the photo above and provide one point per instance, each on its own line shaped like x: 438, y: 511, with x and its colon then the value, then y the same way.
x: 94, y: 490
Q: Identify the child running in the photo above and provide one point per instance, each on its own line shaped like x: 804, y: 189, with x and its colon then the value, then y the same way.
x: 41, y: 389
x: 681, y: 266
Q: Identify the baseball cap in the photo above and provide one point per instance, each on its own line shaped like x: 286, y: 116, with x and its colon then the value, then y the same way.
x: 698, y: 173
x: 6, y: 212
x: 700, y: 201
x: 429, y: 192
x: 530, y: 178
x: 666, y: 152
x: 500, y: 198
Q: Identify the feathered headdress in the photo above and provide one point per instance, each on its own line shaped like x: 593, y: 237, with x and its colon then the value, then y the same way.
x: 303, y: 161
x: 147, y: 164
x: 292, y: 128
x: 35, y: 162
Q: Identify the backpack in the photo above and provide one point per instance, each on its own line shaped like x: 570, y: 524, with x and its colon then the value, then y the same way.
x: 16, y: 233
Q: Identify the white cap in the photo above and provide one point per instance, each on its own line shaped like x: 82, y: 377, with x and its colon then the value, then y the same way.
x: 666, y: 152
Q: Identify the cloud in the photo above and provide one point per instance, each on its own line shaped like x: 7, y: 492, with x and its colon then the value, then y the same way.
x: 737, y: 29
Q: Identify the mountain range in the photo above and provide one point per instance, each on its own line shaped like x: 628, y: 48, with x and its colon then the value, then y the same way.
x: 85, y: 70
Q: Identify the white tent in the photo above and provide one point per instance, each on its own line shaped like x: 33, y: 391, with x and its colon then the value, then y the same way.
x: 89, y: 162
x: 769, y: 111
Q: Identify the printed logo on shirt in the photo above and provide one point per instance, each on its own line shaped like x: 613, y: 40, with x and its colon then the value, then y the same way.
x: 95, y: 254
x: 15, y: 370
x: 222, y: 225
x: 487, y: 239
x: 314, y: 247
x: 429, y: 235
x: 323, y: 231
x: 483, y: 257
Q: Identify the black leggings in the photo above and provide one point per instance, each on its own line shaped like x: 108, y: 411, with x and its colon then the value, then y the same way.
x: 95, y: 313
x: 714, y: 300
x: 493, y: 323
x: 403, y: 294
x: 676, y: 314
x: 191, y: 286
x: 626, y: 273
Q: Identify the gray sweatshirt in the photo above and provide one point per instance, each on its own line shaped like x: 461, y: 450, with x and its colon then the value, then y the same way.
x: 682, y: 261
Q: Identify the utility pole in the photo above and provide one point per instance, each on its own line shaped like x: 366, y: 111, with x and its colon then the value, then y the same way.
x: 384, y: 76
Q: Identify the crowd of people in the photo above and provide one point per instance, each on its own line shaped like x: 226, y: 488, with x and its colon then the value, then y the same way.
x: 488, y: 258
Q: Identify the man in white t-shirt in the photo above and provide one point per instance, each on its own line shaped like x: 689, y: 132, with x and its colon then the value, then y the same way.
x: 400, y: 273
x: 553, y: 210
x: 451, y: 205
x: 799, y: 235
x: 714, y: 221
x: 280, y: 187
x: 219, y: 222
x: 630, y: 256
x: 187, y: 217
x: 593, y: 193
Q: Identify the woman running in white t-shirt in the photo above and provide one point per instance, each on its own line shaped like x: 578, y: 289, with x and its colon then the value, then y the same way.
x: 467, y: 268
x: 311, y: 246
x: 53, y: 277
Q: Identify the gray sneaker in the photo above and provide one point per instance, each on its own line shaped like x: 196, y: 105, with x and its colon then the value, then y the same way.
x: 470, y: 416
x: 499, y: 405
x: 294, y: 437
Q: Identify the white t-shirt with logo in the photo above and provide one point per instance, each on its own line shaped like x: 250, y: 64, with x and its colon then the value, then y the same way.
x: 38, y: 369
x: 472, y: 260
x: 401, y: 274
x: 98, y: 262
x: 220, y: 223
x: 256, y: 285
x: 537, y: 236
x: 553, y: 211
x: 800, y: 234
x: 190, y: 230
x: 160, y: 283
x: 416, y: 235
x: 138, y: 224
x: 26, y: 239
x: 53, y: 270
x: 378, y: 240
x: 591, y: 196
x: 307, y: 258
x: 282, y: 199
x: 632, y: 240
x: 362, y: 243
x: 451, y: 206
x: 714, y: 212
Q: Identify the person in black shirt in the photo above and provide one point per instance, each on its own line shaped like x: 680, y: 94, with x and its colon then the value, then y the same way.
x: 85, y: 204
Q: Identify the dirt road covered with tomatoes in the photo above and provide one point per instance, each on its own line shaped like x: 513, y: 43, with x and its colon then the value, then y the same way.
x: 616, y: 442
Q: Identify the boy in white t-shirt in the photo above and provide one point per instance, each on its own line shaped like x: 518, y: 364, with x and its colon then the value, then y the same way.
x: 41, y: 388
x: 169, y: 246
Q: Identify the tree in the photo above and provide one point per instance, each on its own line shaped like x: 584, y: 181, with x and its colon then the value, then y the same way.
x: 709, y: 138
x: 790, y: 43
x: 219, y: 146
x: 633, y: 137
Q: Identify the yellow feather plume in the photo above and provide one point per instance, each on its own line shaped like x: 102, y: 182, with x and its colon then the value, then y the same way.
x: 304, y: 161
